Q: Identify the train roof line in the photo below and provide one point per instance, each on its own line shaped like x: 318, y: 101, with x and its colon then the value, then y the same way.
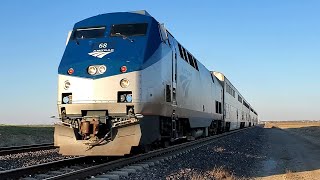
x: 142, y: 12
x: 222, y: 77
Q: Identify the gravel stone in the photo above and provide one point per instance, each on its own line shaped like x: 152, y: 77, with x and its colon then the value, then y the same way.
x: 19, y: 160
x: 232, y: 157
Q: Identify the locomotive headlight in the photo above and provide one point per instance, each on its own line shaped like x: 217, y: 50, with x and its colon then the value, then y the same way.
x: 124, y: 83
x: 122, y: 98
x: 66, y: 100
x: 66, y: 85
x: 129, y: 98
x: 92, y: 70
x: 102, y: 69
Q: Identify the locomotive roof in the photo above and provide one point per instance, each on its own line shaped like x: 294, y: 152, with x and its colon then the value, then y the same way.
x: 143, y: 12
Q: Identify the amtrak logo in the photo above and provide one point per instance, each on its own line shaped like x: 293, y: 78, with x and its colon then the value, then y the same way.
x: 102, y: 51
x: 185, y: 81
x: 100, y: 54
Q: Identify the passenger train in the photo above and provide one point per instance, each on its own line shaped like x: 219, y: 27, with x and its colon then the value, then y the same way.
x: 125, y: 82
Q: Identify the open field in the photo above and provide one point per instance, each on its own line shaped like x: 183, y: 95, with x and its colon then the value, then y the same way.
x: 309, y: 131
x: 25, y: 135
x: 291, y: 124
x: 292, y: 150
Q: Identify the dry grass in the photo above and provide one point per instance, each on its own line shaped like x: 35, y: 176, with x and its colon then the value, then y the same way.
x: 221, y: 173
x: 217, y: 173
x: 25, y: 135
x: 291, y: 124
x: 218, y: 149
x: 290, y: 175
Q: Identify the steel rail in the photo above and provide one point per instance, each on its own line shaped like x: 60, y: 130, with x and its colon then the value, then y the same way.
x: 26, y: 148
x: 98, y: 169
x: 45, y: 167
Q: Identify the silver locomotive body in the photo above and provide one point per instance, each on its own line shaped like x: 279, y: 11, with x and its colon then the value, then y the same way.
x: 165, y: 97
x: 161, y: 109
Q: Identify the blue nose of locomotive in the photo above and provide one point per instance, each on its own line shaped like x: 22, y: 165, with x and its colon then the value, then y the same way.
x: 116, y: 41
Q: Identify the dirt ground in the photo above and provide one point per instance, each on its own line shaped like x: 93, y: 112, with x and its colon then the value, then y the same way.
x: 292, y: 151
x: 25, y: 135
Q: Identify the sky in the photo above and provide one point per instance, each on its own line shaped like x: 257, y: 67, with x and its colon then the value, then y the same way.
x: 269, y: 49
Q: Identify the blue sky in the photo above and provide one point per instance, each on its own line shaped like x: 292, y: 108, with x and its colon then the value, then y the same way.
x: 269, y: 49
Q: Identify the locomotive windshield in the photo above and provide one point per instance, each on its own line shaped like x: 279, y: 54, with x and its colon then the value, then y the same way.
x: 88, y: 33
x: 138, y: 29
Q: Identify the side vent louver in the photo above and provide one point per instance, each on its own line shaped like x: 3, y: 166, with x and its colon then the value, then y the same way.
x: 168, y: 93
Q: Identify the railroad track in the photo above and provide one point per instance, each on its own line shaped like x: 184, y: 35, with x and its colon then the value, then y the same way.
x: 89, y: 167
x: 45, y: 170
x: 27, y: 148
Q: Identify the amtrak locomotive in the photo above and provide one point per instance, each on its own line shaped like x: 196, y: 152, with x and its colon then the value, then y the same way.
x: 125, y: 82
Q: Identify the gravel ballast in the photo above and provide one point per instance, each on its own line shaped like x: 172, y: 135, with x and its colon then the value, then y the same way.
x: 13, y: 161
x: 231, y: 157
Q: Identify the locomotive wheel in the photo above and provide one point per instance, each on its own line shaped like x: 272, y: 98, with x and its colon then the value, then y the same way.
x: 165, y: 144
x: 146, y: 148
